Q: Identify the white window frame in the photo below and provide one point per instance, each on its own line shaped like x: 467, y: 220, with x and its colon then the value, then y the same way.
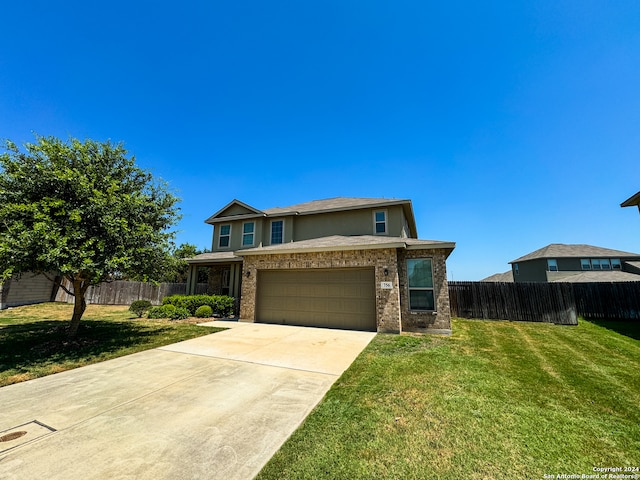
x: 616, y: 264
x: 410, y: 288
x: 385, y: 222
x: 252, y: 233
x: 227, y: 236
x: 552, y: 265
x: 271, y: 232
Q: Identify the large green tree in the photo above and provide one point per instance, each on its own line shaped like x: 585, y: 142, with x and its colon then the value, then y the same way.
x: 83, y: 211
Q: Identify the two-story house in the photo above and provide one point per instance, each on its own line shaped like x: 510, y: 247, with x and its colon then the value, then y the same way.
x: 559, y: 262
x: 351, y: 263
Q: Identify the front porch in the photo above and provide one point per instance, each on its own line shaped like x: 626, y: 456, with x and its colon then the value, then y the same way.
x: 225, y: 274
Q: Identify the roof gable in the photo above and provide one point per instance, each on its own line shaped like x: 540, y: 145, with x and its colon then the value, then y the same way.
x: 561, y: 250
x: 234, y: 210
x: 631, y: 201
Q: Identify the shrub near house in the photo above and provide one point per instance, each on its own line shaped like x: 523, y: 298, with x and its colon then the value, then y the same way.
x: 221, y: 305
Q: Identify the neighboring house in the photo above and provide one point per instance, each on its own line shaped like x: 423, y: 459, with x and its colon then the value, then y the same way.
x: 352, y: 263
x: 25, y: 290
x: 576, y: 263
x: 500, y: 277
x: 632, y: 201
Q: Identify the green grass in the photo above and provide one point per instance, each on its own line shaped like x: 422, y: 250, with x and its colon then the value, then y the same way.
x: 496, y: 400
x: 33, y: 341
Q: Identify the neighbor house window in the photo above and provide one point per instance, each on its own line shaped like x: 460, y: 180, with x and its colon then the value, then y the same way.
x: 380, y: 222
x: 552, y: 265
x: 615, y: 264
x: 247, y: 233
x: 277, y: 232
x: 600, y: 264
x: 516, y: 268
x: 225, y: 236
x: 420, y: 275
x: 585, y: 263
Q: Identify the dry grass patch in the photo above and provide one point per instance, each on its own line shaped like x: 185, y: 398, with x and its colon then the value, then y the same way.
x: 33, y: 340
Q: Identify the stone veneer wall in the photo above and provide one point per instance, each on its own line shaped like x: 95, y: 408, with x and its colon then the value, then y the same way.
x: 387, y: 301
x: 418, y: 321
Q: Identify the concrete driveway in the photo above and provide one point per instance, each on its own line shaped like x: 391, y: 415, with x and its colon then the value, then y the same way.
x: 215, y: 407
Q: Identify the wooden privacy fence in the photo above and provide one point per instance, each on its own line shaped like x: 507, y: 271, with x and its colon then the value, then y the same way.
x: 559, y: 303
x: 608, y: 301
x: 125, y: 292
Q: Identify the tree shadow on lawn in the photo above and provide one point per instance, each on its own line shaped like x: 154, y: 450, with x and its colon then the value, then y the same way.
x: 628, y: 328
x: 45, y: 342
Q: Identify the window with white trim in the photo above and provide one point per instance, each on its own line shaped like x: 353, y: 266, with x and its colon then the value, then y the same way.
x: 248, y: 229
x: 552, y: 265
x: 380, y: 222
x: 601, y: 264
x: 420, y: 280
x: 277, y: 232
x: 224, y: 239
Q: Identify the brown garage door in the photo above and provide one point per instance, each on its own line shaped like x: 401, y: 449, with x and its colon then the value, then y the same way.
x: 335, y: 298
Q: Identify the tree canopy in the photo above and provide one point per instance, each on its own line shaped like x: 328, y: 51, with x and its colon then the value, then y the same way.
x: 83, y: 211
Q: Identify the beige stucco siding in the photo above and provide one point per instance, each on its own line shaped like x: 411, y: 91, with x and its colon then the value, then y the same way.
x: 266, y: 229
x: 354, y: 222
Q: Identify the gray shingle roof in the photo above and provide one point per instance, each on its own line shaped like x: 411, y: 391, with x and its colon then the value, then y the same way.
x: 333, y: 204
x: 607, y: 276
x: 500, y: 277
x: 215, y: 257
x: 340, y: 242
x: 561, y: 250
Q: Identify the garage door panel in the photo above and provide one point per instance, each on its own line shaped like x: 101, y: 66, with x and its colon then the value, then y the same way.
x: 338, y: 298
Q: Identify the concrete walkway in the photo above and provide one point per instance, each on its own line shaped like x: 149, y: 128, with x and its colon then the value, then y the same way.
x: 215, y: 407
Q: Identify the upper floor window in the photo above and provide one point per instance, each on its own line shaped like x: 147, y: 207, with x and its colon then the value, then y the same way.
x: 248, y: 229
x: 552, y: 265
x: 224, y: 239
x: 420, y: 276
x: 277, y: 231
x: 516, y: 268
x: 380, y: 222
x: 600, y: 264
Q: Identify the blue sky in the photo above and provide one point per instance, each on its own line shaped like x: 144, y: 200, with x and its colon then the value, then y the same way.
x: 510, y: 124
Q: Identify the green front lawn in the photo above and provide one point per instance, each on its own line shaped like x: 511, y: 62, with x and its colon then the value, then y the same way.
x: 495, y: 400
x: 33, y: 340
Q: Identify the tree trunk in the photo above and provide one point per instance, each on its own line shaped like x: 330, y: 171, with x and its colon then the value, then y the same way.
x: 79, y: 306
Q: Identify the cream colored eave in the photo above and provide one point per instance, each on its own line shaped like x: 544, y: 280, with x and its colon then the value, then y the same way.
x: 327, y: 248
x: 213, y: 260
x: 450, y: 245
x: 343, y: 248
x: 212, y: 221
